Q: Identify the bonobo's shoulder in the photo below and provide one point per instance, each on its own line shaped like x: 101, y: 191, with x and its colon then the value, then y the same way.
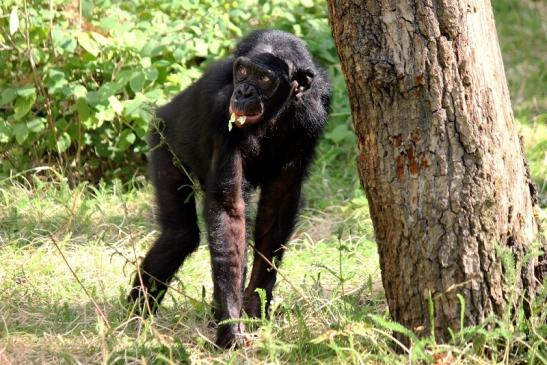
x: 217, y: 80
x: 220, y: 70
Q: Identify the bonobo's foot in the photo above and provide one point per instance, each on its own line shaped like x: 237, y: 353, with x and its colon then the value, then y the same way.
x: 232, y: 335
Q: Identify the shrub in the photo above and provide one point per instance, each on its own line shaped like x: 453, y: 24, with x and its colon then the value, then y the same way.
x: 79, y: 78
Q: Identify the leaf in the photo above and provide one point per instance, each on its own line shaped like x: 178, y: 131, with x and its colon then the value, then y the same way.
x: 55, y: 81
x: 23, y: 106
x: 137, y: 81
x: 214, y: 47
x: 131, y: 107
x: 87, y: 43
x: 73, y: 131
x: 79, y: 91
x: 8, y: 95
x: 103, y: 150
x: 152, y: 74
x: 5, y: 132
x: 201, y: 47
x: 101, y: 39
x: 13, y: 21
x: 141, y: 127
x: 179, y: 54
x: 36, y: 125
x: 63, y: 41
x: 297, y: 30
x: 109, y: 23
x: 126, y: 139
x: 27, y: 91
x: 105, y: 113
x: 146, y: 62
x: 146, y: 114
x: 63, y: 142
x: 115, y: 104
x: 106, y: 90
x: 83, y: 109
x: 155, y: 95
x: 124, y: 77
x: 86, y: 8
x: 56, y: 74
x: 417, y: 346
x: 20, y: 131
x: 150, y: 48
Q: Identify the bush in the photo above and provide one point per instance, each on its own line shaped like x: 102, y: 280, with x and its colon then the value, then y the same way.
x: 79, y: 78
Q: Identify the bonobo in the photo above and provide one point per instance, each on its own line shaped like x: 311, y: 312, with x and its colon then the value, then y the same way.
x: 252, y: 120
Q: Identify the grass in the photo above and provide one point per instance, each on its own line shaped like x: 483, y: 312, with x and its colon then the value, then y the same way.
x: 46, y: 312
x: 328, y: 307
x: 522, y: 32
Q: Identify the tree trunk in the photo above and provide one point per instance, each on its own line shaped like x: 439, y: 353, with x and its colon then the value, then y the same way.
x: 439, y: 157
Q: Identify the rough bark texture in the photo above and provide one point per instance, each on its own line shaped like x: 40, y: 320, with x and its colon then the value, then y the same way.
x: 440, y: 159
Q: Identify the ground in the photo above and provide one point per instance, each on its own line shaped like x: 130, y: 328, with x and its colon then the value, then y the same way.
x: 328, y: 305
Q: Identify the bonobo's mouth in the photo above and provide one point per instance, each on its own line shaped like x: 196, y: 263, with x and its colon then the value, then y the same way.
x: 242, y: 117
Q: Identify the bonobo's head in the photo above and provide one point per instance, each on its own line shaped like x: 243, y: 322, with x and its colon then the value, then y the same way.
x: 267, y: 80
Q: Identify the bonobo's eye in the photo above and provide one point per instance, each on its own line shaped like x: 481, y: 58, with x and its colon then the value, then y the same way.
x: 241, y: 72
x: 265, y: 81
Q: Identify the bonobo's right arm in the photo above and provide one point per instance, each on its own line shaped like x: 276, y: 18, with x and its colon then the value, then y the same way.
x: 198, y: 116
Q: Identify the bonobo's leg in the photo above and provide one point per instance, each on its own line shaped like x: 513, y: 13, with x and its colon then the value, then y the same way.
x: 225, y: 216
x: 179, y: 230
x: 276, y: 216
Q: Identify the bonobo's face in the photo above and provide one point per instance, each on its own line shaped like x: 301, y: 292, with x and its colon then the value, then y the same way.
x: 261, y: 88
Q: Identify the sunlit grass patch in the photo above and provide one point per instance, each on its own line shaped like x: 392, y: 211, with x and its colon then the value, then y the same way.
x: 102, y: 230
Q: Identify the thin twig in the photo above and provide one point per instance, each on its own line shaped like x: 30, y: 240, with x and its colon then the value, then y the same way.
x: 176, y: 160
x: 37, y: 79
x: 97, y: 308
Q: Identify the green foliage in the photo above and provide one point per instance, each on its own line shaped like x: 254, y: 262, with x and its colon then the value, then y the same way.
x: 78, y: 85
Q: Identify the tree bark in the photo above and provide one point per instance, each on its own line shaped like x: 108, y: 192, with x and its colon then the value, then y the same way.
x: 439, y: 157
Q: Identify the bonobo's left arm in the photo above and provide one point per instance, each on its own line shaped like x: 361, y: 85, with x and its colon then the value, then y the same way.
x: 275, y: 220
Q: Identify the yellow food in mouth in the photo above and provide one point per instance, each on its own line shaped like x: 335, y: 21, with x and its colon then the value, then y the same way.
x: 233, y: 119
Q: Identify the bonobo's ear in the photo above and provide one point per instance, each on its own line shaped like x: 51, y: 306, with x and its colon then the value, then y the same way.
x: 302, y: 80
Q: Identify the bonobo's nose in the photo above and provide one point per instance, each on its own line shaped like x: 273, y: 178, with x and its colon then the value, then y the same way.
x: 245, y: 91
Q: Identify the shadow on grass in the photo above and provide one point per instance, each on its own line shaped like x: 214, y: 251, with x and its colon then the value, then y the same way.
x: 23, y: 230
x: 48, y: 328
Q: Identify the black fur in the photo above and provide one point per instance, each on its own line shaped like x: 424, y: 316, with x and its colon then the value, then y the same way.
x: 272, y: 153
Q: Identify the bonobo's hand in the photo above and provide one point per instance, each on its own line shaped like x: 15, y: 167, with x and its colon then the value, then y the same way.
x: 141, y: 301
